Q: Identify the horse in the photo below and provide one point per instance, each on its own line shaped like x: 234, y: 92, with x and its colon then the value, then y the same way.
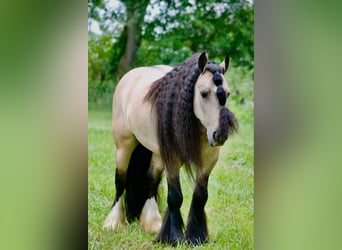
x: 164, y: 118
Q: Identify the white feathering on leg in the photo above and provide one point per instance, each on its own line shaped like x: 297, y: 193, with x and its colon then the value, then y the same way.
x: 115, y: 217
x: 150, y: 219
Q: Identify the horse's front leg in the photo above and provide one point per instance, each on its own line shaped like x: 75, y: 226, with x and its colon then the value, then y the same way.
x: 172, y: 228
x: 196, y: 230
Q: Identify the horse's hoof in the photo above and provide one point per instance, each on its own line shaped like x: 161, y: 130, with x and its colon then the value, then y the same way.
x: 150, y: 219
x: 153, y: 227
x: 196, y: 241
x: 173, y: 242
x: 112, y: 223
x: 115, y: 217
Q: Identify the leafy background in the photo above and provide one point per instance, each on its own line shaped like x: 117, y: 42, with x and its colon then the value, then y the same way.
x: 130, y: 33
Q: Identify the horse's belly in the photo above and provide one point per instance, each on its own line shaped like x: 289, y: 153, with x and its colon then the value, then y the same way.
x: 143, y: 127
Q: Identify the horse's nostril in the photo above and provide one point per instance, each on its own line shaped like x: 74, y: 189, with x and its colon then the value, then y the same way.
x: 215, y: 135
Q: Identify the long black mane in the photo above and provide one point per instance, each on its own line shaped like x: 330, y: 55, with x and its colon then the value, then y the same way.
x: 179, y: 130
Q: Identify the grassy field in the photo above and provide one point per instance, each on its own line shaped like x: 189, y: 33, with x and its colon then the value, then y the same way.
x: 230, y: 207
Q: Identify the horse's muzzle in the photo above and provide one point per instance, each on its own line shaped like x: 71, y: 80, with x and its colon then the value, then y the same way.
x: 219, y: 139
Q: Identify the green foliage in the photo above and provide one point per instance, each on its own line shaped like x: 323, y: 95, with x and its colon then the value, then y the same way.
x: 168, y: 52
x: 117, y: 51
x: 217, y: 27
x: 101, y: 85
x: 168, y: 36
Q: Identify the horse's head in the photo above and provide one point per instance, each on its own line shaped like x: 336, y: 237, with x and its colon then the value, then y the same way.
x: 211, y: 93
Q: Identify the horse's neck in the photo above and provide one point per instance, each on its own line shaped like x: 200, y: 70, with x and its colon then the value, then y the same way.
x: 203, y: 135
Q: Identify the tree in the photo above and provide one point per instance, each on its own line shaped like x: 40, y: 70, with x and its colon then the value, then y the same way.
x: 147, y: 32
x: 218, y: 26
x: 132, y: 32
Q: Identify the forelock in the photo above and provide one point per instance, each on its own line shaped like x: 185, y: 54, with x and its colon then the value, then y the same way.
x: 221, y: 95
x: 217, y: 72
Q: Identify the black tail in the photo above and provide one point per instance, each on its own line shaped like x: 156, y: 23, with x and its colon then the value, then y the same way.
x: 137, y: 184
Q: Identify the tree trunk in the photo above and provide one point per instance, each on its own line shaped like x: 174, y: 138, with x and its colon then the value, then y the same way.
x: 131, y: 48
x: 135, y: 16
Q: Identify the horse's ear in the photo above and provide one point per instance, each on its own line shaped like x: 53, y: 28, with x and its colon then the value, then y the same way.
x: 225, y: 63
x: 202, y: 62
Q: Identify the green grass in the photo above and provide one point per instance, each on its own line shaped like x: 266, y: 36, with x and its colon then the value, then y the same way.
x: 229, y: 209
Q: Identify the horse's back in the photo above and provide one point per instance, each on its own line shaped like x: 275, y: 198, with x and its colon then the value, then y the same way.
x: 132, y: 115
x: 140, y: 77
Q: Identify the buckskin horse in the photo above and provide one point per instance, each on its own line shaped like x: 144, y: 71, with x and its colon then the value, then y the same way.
x: 165, y: 118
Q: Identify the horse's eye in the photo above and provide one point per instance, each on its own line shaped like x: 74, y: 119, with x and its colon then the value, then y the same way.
x: 204, y: 93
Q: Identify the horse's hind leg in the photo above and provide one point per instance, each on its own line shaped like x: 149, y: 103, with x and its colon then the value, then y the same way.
x: 150, y: 219
x: 116, y: 215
